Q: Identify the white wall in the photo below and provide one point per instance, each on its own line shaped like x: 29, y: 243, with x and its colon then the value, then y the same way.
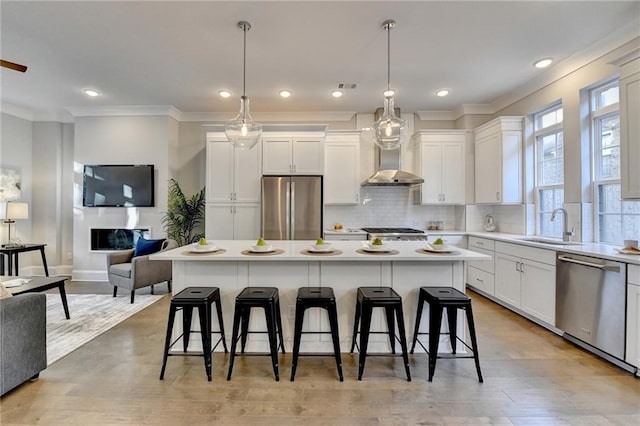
x: 15, y: 153
x: 118, y: 140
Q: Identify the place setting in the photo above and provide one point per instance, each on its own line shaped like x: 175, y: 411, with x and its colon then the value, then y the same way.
x: 203, y: 247
x: 321, y: 248
x: 376, y: 247
x: 262, y: 248
x: 439, y: 246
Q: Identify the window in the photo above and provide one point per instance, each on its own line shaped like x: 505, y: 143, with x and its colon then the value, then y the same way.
x: 616, y: 220
x: 549, y: 174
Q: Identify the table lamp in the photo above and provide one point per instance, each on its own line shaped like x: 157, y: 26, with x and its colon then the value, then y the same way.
x: 10, y: 211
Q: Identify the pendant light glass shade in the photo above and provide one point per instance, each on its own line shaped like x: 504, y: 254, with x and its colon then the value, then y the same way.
x: 242, y: 131
x: 389, y: 131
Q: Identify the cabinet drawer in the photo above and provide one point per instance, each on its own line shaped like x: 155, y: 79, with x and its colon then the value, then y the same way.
x: 526, y: 252
x: 633, y: 274
x: 481, y: 280
x: 482, y: 243
x: 484, y: 265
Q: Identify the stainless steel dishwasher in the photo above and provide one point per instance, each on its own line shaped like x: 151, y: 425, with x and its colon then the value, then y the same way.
x: 590, y: 302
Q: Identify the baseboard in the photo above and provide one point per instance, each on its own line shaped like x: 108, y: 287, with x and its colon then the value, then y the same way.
x: 87, y: 275
x: 59, y: 270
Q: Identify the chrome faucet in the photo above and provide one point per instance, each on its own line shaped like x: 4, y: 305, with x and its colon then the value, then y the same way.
x: 566, y: 235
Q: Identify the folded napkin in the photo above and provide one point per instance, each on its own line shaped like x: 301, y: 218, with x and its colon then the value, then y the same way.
x: 16, y: 282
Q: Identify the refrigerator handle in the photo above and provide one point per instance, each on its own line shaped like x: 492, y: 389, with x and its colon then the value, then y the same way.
x: 287, y: 212
x: 292, y: 212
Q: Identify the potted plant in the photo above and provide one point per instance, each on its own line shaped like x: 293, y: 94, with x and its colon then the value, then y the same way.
x: 184, y: 215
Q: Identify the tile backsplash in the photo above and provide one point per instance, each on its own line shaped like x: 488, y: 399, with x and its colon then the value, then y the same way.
x: 392, y: 206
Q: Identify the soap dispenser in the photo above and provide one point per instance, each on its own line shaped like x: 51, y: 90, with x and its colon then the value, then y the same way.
x: 489, y: 224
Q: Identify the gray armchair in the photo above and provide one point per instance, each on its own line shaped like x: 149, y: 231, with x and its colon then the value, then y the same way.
x: 23, y: 339
x: 132, y: 273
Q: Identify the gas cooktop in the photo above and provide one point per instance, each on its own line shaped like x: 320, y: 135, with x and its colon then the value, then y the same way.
x: 392, y: 231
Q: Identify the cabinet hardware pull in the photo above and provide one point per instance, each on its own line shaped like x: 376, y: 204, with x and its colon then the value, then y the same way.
x: 498, y: 196
x: 444, y: 197
x: 522, y: 267
x: 518, y: 266
x: 231, y: 196
x: 478, y: 279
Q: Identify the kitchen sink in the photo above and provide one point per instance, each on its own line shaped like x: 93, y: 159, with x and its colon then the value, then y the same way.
x: 550, y: 241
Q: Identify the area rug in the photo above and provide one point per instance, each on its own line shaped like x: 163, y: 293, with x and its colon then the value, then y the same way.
x: 91, y: 315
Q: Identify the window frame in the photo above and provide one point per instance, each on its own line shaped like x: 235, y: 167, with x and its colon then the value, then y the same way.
x: 538, y: 135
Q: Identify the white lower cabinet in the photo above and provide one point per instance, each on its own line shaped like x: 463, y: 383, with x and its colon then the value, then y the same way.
x: 525, y: 278
x: 632, y: 355
x: 480, y: 273
x: 233, y: 221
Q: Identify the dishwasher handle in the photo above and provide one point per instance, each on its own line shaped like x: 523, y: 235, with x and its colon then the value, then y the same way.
x: 605, y: 267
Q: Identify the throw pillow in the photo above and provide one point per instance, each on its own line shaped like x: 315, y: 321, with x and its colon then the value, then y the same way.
x: 144, y: 247
x: 4, y: 293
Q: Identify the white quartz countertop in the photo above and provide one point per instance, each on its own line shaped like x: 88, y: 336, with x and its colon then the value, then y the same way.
x: 602, y: 251
x: 292, y: 251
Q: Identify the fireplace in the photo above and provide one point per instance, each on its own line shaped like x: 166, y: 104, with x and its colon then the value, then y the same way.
x: 109, y: 239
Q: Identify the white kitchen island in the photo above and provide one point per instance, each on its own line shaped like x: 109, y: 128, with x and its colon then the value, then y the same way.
x: 406, y: 271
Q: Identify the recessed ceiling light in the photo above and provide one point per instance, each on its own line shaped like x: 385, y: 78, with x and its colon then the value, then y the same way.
x: 285, y: 93
x: 337, y: 93
x: 388, y: 93
x: 224, y: 94
x: 543, y: 63
x: 442, y: 92
x: 91, y: 92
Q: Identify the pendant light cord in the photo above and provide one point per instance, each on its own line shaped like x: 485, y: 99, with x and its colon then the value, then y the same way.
x: 244, y: 62
x: 388, y: 57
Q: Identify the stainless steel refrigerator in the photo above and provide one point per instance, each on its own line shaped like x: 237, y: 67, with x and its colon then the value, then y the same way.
x: 291, y: 207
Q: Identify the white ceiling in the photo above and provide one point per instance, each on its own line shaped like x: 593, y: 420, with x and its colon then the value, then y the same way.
x: 183, y: 53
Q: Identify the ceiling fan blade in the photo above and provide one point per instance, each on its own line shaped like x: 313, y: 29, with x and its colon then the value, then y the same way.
x: 13, y: 66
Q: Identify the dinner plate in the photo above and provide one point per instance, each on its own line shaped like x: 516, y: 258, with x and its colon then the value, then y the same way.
x: 266, y: 250
x: 207, y: 249
x: 320, y: 250
x: 430, y: 250
x: 371, y: 249
x: 626, y: 251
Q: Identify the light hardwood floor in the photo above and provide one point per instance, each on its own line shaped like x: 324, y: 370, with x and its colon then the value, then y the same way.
x: 531, y: 377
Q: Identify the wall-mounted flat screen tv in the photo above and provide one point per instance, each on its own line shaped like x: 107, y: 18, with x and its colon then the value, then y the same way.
x: 118, y: 186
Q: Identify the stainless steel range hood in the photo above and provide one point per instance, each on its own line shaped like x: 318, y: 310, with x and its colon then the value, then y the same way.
x: 388, y: 170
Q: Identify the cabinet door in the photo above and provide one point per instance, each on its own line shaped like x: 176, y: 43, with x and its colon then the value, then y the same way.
x: 219, y: 171
x: 219, y: 221
x: 276, y: 157
x: 633, y: 325
x: 432, y: 173
x: 539, y: 290
x: 248, y: 171
x: 507, y: 279
x: 630, y: 133
x: 341, y: 173
x: 453, y: 173
x: 308, y: 156
x: 246, y: 224
x: 488, y: 170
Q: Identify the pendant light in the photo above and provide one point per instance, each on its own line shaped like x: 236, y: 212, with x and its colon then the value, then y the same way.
x: 242, y: 131
x: 389, y: 131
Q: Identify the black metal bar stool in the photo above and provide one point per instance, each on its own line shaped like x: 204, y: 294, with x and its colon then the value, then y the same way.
x: 438, y: 299
x: 316, y: 297
x: 257, y: 297
x: 185, y: 301
x: 379, y: 297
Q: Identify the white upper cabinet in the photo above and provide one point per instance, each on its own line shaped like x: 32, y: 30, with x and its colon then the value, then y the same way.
x: 498, y: 161
x: 293, y: 156
x: 233, y: 175
x: 440, y: 161
x: 630, y: 128
x: 342, y: 168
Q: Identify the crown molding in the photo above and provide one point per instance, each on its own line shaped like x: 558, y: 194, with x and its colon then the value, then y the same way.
x: 134, y: 110
x: 16, y: 111
x: 59, y: 117
x: 306, y: 116
x: 436, y: 115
